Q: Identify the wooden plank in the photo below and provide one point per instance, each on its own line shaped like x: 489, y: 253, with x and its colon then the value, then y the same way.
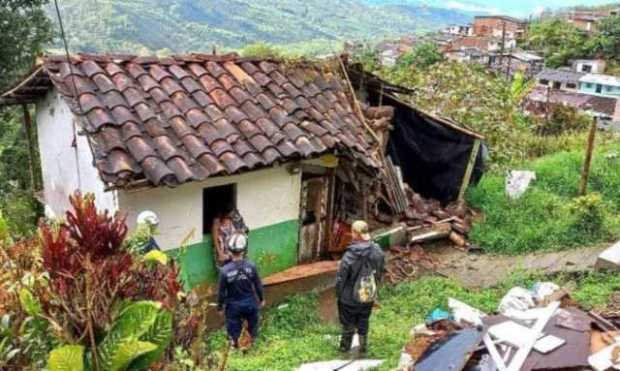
x: 31, y: 151
x: 469, y: 170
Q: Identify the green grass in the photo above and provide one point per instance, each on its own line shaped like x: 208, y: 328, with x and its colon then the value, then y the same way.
x: 294, y: 335
x: 545, y: 217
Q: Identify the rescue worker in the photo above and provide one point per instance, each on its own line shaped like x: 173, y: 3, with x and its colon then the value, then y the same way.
x: 361, y: 268
x: 240, y: 291
x: 150, y: 221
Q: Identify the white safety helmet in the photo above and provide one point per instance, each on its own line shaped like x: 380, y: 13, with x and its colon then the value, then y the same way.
x: 148, y: 217
x: 237, y: 243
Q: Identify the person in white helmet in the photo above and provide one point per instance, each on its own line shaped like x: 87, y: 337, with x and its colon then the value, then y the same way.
x: 240, y: 291
x: 149, y: 220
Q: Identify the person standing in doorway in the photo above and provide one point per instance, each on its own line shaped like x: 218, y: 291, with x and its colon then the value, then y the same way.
x: 224, y: 226
x: 360, y: 270
x: 240, y: 291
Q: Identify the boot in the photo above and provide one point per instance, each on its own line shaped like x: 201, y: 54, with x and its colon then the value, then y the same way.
x: 363, y: 344
x: 345, y: 342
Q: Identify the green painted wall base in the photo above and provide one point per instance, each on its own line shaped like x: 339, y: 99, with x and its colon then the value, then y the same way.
x: 272, y: 248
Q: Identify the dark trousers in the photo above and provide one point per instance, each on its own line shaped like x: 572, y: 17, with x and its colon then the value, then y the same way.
x: 354, y: 317
x: 236, y: 312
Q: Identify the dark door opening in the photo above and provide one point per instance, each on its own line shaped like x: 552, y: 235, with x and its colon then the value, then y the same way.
x: 314, y: 215
x: 215, y: 202
x: 599, y: 88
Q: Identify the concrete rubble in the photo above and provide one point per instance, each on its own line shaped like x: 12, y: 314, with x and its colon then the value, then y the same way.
x: 540, y: 328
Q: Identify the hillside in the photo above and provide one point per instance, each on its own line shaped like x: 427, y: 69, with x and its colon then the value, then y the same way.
x: 190, y: 25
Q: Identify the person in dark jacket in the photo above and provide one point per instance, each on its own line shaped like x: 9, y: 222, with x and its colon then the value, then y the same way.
x: 353, y: 311
x: 240, y: 292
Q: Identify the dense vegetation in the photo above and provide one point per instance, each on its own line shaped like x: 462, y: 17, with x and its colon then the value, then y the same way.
x: 316, y: 26
x: 280, y: 347
x: 24, y: 31
x: 560, y: 41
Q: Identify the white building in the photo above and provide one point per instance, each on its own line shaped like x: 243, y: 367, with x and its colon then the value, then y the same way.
x: 190, y: 137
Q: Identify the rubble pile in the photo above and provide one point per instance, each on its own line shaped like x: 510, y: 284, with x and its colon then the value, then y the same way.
x: 428, y: 219
x: 537, y: 329
x: 403, y: 263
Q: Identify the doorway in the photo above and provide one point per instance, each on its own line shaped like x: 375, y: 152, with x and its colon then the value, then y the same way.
x: 599, y: 88
x: 313, y: 218
x: 215, y: 202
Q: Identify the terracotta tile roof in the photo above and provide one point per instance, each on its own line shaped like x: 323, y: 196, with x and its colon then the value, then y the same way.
x: 180, y: 119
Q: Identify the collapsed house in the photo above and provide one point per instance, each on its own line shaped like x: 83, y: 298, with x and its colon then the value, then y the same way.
x: 188, y: 137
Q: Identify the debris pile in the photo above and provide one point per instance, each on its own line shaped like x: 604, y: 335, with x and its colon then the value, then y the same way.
x: 428, y: 220
x: 536, y: 329
x: 403, y: 263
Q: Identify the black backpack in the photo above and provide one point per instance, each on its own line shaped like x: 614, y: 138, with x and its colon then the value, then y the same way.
x: 365, y: 288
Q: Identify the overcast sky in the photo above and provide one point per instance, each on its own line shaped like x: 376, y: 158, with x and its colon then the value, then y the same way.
x: 520, y: 8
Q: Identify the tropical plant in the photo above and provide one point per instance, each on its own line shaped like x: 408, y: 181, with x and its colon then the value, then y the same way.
x: 113, y: 309
x: 138, y: 337
x: 8, y: 347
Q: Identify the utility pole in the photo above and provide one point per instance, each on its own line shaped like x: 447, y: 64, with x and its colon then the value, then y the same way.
x: 585, y: 173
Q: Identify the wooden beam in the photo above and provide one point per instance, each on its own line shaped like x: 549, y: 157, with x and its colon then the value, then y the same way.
x: 585, y: 172
x: 469, y: 170
x: 31, y: 154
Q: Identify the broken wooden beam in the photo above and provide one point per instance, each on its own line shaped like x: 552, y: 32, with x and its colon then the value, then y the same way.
x: 436, y: 232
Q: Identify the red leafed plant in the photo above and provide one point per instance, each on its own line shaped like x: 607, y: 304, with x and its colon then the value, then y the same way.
x: 90, y: 270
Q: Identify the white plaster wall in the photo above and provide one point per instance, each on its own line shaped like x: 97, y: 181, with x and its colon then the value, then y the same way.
x: 66, y: 168
x: 264, y: 197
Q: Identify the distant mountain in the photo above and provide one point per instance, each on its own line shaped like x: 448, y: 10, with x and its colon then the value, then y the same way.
x: 140, y: 26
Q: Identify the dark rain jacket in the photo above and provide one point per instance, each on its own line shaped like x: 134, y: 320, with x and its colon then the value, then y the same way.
x: 239, y: 283
x: 350, y: 267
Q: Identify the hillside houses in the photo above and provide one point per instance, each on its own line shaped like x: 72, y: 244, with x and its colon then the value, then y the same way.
x: 588, y: 20
x: 499, y: 26
x: 593, y: 93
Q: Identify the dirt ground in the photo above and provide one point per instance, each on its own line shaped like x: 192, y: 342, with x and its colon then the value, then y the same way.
x: 485, y: 270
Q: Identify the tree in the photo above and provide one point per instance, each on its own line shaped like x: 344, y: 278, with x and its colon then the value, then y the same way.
x: 24, y: 30
x: 422, y: 56
x: 606, y: 43
x: 558, y: 40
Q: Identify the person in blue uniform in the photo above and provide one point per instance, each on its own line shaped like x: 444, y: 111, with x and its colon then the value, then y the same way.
x: 240, y: 291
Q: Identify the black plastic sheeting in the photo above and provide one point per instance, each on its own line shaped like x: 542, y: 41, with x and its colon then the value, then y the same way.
x: 432, y: 156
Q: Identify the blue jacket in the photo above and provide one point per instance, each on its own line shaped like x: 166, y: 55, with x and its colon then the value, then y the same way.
x: 239, y: 282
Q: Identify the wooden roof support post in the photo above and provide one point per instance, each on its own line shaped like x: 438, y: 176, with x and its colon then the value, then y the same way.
x: 585, y: 172
x: 34, y: 184
x: 469, y: 170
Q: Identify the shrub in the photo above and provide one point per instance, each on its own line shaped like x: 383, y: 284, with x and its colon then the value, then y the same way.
x: 563, y: 119
x: 588, y: 214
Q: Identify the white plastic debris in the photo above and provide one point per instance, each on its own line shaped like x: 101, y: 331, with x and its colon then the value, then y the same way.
x: 342, y: 365
x: 540, y: 290
x: 517, y: 298
x: 465, y: 313
x: 517, y: 182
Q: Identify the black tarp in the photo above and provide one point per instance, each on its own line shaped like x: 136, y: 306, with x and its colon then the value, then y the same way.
x: 433, y: 157
x: 431, y: 153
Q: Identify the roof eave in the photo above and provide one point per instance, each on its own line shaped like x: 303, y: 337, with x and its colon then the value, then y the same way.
x: 28, y: 90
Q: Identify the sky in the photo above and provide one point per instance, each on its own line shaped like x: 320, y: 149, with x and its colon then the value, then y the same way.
x: 520, y: 8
